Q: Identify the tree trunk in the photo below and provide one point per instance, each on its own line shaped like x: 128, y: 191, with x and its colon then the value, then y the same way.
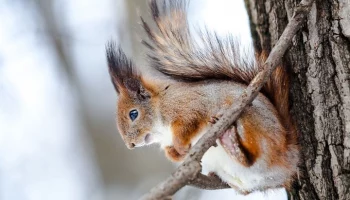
x: 319, y: 65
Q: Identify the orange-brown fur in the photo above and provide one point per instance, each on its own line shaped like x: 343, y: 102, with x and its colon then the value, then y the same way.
x: 184, y: 131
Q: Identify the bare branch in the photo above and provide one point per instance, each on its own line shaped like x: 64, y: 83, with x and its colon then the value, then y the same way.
x: 188, y: 170
x: 208, y: 182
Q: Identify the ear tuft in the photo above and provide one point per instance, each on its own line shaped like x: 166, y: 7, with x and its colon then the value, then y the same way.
x: 124, y: 75
x: 121, y: 69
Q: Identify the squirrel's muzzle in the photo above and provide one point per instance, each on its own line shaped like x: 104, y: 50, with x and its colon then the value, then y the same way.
x: 130, y: 145
x: 142, y: 141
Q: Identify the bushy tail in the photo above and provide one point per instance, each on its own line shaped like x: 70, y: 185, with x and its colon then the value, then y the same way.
x: 175, y: 52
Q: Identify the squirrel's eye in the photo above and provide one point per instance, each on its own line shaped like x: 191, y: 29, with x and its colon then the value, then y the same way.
x: 133, y: 114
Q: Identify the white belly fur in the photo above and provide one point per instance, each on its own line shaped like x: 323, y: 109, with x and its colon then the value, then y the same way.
x: 257, y: 176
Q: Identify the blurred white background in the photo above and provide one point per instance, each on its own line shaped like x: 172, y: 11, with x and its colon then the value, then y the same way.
x: 57, y: 131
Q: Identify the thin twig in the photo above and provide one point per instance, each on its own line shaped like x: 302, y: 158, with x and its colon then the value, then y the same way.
x: 188, y: 171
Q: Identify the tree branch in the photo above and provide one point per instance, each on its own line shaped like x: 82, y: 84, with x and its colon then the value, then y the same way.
x: 208, y: 182
x: 190, y: 168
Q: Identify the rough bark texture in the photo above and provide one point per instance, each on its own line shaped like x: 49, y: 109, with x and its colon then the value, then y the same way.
x: 319, y: 65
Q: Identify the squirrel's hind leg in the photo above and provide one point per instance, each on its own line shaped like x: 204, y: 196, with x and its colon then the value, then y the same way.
x: 232, y: 143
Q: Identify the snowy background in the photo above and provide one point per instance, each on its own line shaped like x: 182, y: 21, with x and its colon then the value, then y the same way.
x: 57, y: 132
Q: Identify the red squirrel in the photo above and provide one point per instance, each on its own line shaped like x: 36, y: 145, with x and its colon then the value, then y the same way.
x: 259, y: 152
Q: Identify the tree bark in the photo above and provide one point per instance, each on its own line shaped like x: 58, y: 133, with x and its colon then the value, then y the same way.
x: 319, y: 66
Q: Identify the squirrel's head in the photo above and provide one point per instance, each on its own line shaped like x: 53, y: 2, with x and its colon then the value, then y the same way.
x: 135, y: 116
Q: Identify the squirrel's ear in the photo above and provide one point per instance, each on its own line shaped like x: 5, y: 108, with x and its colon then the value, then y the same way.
x: 124, y: 76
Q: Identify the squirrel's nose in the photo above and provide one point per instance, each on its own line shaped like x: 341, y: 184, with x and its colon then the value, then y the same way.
x: 131, y: 145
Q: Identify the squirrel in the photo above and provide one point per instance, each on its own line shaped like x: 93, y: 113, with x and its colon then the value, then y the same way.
x: 204, y: 76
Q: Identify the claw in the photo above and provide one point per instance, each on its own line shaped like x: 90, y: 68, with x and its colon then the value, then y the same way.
x: 213, y: 119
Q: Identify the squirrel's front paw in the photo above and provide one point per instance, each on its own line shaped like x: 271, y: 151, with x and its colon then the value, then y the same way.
x: 182, y: 149
x: 173, y: 154
x: 181, y: 146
